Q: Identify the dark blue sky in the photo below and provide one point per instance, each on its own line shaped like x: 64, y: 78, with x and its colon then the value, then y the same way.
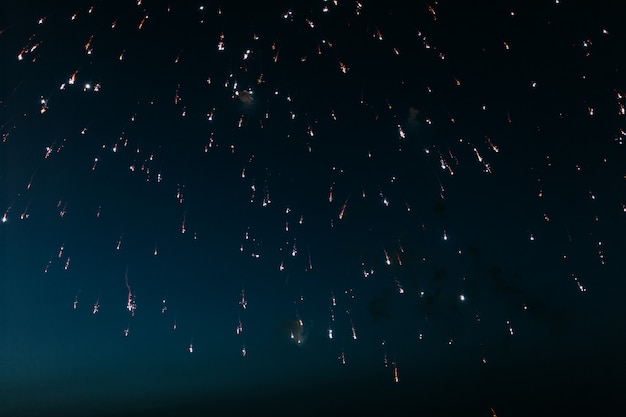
x: 439, y: 185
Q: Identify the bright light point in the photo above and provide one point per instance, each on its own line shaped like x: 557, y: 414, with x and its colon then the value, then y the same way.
x: 462, y: 297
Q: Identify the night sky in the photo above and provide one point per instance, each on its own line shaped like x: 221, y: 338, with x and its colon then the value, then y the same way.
x: 312, y: 208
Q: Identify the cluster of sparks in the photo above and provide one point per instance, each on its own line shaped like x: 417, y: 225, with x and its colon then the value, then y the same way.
x: 293, y: 111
